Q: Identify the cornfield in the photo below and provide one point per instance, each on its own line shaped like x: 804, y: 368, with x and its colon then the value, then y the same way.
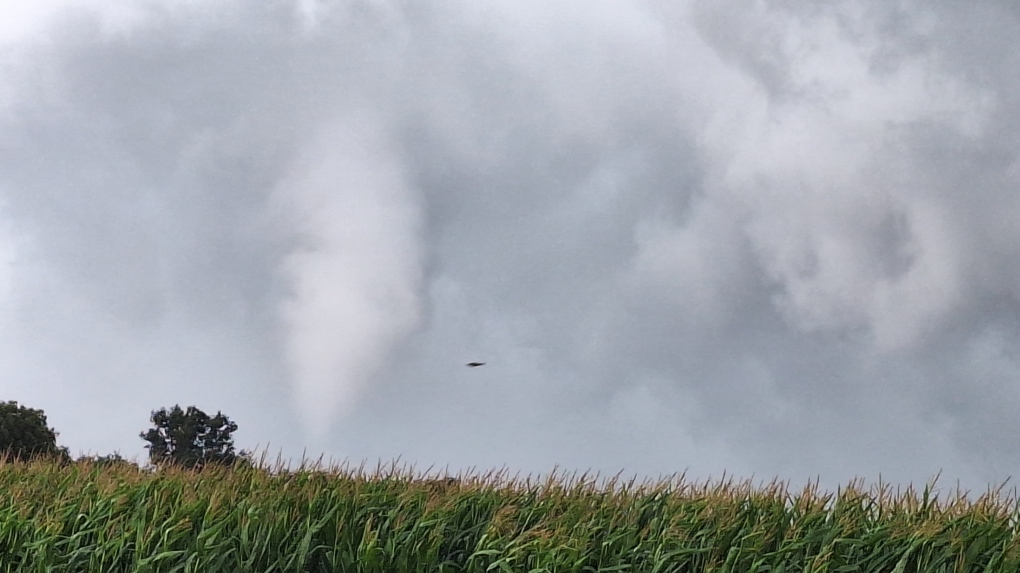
x: 82, y: 517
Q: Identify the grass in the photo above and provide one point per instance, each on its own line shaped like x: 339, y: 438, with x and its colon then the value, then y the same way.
x: 84, y: 517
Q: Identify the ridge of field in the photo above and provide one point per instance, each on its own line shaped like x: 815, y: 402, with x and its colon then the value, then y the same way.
x: 116, y: 517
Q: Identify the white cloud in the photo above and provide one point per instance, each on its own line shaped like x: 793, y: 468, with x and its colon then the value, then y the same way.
x: 666, y: 214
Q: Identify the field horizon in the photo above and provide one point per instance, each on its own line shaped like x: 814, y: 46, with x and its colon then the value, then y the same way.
x: 117, y: 516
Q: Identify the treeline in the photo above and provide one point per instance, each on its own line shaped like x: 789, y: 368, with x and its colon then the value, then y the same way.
x: 187, y: 438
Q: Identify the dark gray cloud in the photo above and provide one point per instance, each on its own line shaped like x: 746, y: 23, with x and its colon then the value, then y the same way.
x: 771, y: 239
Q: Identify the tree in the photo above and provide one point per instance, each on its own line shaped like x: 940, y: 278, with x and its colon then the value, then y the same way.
x: 190, y: 438
x: 24, y: 433
x: 114, y: 459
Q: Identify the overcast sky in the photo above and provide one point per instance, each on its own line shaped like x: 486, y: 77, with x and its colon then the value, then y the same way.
x: 771, y: 238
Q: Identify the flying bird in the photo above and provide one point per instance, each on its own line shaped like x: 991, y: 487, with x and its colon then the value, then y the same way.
x: 475, y: 364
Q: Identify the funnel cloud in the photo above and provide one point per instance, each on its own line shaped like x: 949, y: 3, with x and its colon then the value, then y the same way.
x: 355, y: 277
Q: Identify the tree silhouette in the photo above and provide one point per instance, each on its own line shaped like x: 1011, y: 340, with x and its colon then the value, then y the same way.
x: 114, y: 459
x: 190, y: 438
x: 24, y: 433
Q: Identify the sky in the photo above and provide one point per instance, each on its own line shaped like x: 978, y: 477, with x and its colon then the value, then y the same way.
x: 774, y: 239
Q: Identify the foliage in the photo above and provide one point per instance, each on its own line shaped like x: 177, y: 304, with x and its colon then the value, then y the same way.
x: 24, y: 433
x: 190, y: 439
x: 109, y: 459
x: 107, y: 518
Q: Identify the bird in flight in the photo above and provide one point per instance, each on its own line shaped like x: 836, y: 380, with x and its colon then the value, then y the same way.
x: 475, y: 364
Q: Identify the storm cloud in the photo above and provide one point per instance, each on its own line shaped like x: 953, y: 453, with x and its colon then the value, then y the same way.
x: 771, y: 238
